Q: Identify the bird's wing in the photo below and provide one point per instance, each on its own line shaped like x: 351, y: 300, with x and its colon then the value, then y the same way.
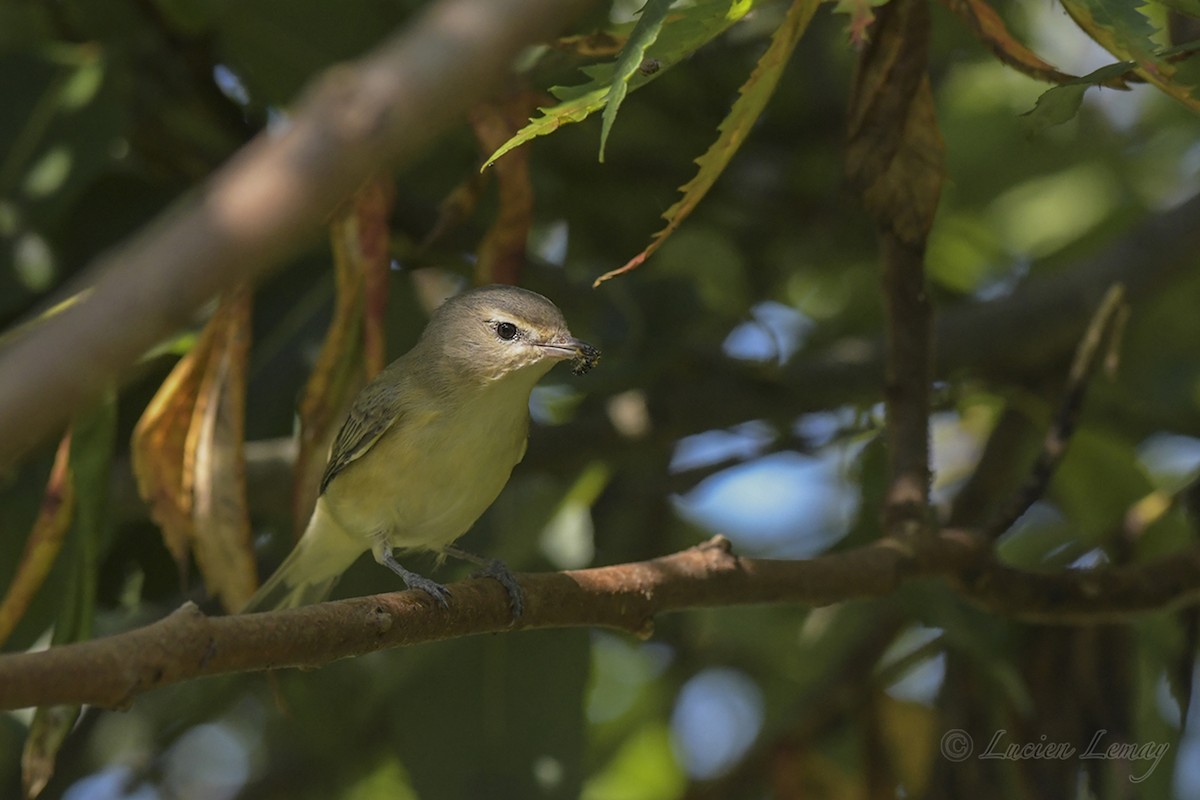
x: 367, y: 422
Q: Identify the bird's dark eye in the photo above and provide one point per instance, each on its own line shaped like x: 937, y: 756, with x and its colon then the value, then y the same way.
x: 506, y: 331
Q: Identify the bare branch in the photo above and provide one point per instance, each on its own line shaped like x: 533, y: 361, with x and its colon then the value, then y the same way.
x: 894, y: 156
x: 111, y: 672
x: 265, y: 203
x: 1087, y: 596
x: 909, y: 374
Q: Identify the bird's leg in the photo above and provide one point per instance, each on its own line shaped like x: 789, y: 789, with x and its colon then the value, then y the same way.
x: 497, y: 570
x: 383, y: 554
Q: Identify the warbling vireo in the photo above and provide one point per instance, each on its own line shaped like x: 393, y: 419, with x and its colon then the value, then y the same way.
x: 429, y: 444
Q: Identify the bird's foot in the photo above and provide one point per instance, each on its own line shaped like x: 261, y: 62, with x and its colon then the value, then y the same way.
x: 496, y: 570
x: 414, y: 581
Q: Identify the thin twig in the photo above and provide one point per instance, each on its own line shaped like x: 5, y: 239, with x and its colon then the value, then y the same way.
x: 1054, y: 447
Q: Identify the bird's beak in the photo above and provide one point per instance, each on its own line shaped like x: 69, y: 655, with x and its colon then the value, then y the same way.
x: 564, y: 347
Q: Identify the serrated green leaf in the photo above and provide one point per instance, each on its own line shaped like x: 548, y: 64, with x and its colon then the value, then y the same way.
x: 752, y: 99
x: 1061, y: 103
x: 1118, y: 26
x: 649, y: 23
x: 682, y: 33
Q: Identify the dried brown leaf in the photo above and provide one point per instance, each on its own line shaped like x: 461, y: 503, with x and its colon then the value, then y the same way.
x: 162, y: 464
x: 220, y: 517
x: 894, y: 151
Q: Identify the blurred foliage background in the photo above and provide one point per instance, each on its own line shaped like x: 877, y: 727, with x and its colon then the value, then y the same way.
x: 739, y: 393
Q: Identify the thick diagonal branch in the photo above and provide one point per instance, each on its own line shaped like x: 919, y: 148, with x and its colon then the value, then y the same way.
x: 274, y: 195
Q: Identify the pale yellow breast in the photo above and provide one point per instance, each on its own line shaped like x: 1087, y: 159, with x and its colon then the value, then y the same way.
x: 427, y: 480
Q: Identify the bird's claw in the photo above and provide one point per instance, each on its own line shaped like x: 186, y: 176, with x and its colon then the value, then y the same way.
x: 432, y: 588
x: 498, y: 570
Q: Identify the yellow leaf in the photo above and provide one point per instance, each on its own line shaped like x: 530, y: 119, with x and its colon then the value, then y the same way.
x: 161, y: 463
x: 44, y: 543
x: 188, y: 459
x: 47, y: 732
x: 220, y: 519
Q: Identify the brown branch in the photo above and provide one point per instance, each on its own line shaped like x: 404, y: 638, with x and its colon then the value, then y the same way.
x: 894, y: 160
x: 1058, y: 436
x: 112, y: 671
x: 265, y: 203
x: 909, y: 374
x: 1087, y: 596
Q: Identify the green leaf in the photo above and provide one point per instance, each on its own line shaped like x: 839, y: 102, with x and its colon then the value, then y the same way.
x: 649, y: 24
x: 752, y: 99
x: 682, y: 33
x: 1117, y: 26
x: 93, y: 435
x: 1120, y: 28
x: 1061, y: 103
x: 1098, y: 458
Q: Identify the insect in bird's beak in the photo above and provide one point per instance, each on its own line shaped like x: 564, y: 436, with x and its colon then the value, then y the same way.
x: 580, y: 352
x: 586, y: 357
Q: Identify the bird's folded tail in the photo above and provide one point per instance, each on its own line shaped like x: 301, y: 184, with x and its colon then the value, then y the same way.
x: 309, y: 573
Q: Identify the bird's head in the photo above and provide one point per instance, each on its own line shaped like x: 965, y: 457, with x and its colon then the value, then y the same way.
x: 497, y: 331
